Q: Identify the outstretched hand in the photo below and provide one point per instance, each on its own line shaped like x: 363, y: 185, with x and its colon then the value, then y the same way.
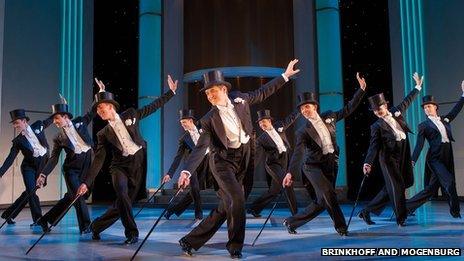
x: 100, y: 84
x: 172, y: 84
x: 290, y: 71
x: 418, y: 79
x: 361, y: 81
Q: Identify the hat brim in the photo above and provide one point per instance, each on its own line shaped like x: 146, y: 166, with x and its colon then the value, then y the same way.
x: 429, y: 102
x: 187, y: 117
x: 216, y: 83
x: 19, y: 118
x: 115, y: 103
x: 377, y: 106
x: 306, y: 102
x: 263, y: 118
x: 67, y: 113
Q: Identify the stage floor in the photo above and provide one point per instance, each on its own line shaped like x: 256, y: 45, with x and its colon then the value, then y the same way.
x: 431, y: 227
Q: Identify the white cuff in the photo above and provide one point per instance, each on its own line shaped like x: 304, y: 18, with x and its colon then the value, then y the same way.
x: 285, y: 77
x: 367, y: 164
x: 418, y: 87
x: 173, y: 92
x: 101, y: 90
x: 187, y: 172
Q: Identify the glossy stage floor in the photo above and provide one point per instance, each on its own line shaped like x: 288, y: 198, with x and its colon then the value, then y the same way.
x: 431, y: 227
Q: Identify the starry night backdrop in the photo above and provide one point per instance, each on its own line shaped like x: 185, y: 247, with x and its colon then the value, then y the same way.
x: 365, y: 49
x: 116, y: 64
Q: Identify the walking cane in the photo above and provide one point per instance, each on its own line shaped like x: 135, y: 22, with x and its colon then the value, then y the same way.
x: 356, y: 202
x: 153, y: 196
x: 22, y: 202
x: 56, y: 222
x: 269, y: 216
x: 156, y: 223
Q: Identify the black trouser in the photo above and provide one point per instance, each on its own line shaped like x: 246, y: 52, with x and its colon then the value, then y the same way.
x: 322, y: 177
x: 277, y: 173
x: 126, y: 175
x: 441, y: 174
x: 30, y: 174
x: 194, y: 194
x: 73, y: 179
x: 393, y: 166
x: 227, y: 170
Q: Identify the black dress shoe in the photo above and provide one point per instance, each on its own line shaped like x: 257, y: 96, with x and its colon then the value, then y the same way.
x: 290, y: 230
x: 199, y: 215
x: 44, y: 224
x: 456, y: 214
x: 342, y: 231
x: 253, y: 213
x: 86, y: 230
x: 236, y: 254
x: 10, y: 221
x: 131, y: 240
x: 186, y: 247
x: 95, y: 235
x: 366, y: 217
x: 401, y: 223
x: 168, y: 215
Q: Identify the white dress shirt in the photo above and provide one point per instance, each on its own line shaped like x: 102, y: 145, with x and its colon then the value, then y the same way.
x: 441, y: 127
x: 39, y: 150
x: 233, y: 126
x: 195, y: 135
x: 128, y: 145
x: 277, y: 140
x: 396, y: 127
x: 76, y: 140
x: 324, y: 134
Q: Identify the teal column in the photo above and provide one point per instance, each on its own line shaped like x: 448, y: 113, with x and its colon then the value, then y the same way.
x: 150, y: 84
x: 330, y: 70
x: 413, y: 51
x: 71, y: 59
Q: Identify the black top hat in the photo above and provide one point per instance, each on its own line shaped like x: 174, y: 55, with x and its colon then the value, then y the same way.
x: 186, y: 114
x: 18, y: 114
x: 61, y: 108
x: 376, y: 101
x: 264, y: 114
x: 213, y: 78
x: 307, y: 97
x: 106, y: 97
x: 428, y: 99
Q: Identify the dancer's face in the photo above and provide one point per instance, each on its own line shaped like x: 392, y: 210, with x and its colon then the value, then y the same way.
x: 381, y: 111
x: 265, y: 124
x: 187, y: 124
x: 60, y: 120
x: 19, y: 124
x: 106, y: 111
x: 430, y: 109
x: 217, y: 95
x: 308, y: 110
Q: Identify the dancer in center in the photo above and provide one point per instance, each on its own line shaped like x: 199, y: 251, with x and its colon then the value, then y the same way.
x: 226, y: 131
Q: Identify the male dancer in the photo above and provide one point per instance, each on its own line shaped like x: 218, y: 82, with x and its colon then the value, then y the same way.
x: 74, y: 138
x: 186, y: 144
x: 439, y: 159
x: 121, y: 137
x: 226, y: 132
x: 389, y: 140
x: 318, y: 138
x: 32, y: 143
x: 274, y: 144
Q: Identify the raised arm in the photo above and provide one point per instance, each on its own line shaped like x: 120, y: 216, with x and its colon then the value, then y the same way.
x: 457, y: 107
x: 271, y: 87
x: 413, y: 94
x: 288, y: 121
x: 158, y: 103
x: 354, y: 102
